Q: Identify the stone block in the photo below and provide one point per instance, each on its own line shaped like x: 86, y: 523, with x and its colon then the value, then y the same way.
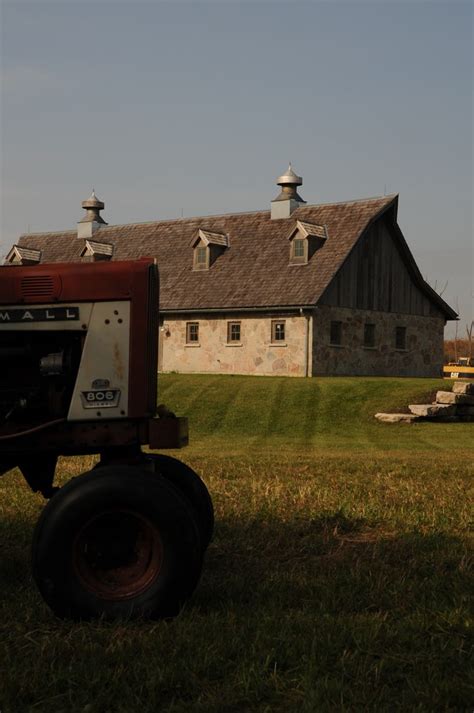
x: 465, y: 410
x: 463, y: 387
x: 444, y: 419
x: 433, y: 410
x: 397, y: 417
x: 448, y: 397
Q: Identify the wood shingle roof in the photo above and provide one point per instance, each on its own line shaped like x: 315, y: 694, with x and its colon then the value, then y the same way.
x: 254, y: 271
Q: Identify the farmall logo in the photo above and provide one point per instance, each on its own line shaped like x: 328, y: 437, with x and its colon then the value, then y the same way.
x: 50, y: 314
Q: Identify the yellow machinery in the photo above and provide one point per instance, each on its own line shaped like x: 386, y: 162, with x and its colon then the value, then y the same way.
x: 463, y: 368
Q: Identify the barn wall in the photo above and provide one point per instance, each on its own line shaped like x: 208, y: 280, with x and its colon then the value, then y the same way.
x: 375, y: 277
x: 255, y: 354
x: 423, y: 355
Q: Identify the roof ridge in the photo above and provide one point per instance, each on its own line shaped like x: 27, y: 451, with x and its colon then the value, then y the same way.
x: 114, y: 226
x: 354, y: 200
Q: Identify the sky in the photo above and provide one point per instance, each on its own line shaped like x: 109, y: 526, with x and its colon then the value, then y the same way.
x: 194, y: 108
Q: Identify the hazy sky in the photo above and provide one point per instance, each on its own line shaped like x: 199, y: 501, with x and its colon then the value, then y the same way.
x: 194, y: 108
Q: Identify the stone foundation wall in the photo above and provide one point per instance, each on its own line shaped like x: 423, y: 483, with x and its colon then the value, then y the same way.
x: 254, y: 354
x: 423, y: 355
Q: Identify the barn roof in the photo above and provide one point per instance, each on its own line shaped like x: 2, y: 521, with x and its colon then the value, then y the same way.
x: 254, y: 271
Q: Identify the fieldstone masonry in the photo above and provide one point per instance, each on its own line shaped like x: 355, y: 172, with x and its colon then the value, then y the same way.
x: 306, y: 350
x: 423, y: 355
x: 254, y: 354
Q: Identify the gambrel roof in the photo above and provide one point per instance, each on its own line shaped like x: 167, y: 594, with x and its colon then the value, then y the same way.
x: 254, y: 271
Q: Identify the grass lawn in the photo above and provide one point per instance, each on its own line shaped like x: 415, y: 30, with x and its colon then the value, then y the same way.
x: 338, y: 578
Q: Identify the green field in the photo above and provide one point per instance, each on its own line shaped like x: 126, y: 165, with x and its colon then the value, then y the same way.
x: 338, y: 579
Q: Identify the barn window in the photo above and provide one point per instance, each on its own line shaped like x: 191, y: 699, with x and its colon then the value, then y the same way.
x: 201, y: 253
x: 401, y: 338
x: 369, y: 335
x: 192, y: 332
x: 299, y: 251
x: 278, y: 331
x: 335, y: 336
x: 233, y: 332
x: 298, y: 248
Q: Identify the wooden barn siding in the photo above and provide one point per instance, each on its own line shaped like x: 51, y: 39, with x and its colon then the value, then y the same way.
x: 375, y: 277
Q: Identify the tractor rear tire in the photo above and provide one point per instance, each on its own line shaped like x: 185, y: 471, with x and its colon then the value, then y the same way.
x: 191, y: 486
x: 117, y: 542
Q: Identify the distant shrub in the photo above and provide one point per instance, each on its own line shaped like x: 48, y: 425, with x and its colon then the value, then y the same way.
x: 449, y: 351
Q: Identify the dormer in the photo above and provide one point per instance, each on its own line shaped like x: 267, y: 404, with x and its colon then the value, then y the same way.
x: 305, y: 239
x: 207, y: 246
x: 94, y: 251
x: 20, y: 255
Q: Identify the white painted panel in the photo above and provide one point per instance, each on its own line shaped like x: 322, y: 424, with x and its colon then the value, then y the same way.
x: 105, y: 358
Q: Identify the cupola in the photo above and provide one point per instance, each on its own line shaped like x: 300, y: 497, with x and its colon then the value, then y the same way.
x: 288, y: 199
x: 92, y: 220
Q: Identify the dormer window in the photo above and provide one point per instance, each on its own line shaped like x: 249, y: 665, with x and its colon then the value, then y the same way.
x: 305, y: 239
x: 20, y: 255
x: 201, y: 261
x: 201, y: 255
x: 94, y: 251
x: 207, y: 247
x: 299, y: 248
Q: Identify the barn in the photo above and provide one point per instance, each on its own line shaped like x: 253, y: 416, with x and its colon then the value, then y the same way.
x: 297, y: 290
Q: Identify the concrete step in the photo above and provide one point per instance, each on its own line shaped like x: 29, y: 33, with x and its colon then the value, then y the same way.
x: 433, y: 410
x: 465, y: 410
x: 463, y: 387
x: 397, y: 417
x: 449, y: 397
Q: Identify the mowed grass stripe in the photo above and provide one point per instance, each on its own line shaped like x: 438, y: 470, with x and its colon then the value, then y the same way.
x: 303, y: 415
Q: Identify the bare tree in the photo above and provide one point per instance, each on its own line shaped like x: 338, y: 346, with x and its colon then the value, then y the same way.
x: 456, y: 333
x: 469, y: 329
x: 441, y: 291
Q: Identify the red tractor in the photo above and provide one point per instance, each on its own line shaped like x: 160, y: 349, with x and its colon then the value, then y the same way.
x: 78, y: 375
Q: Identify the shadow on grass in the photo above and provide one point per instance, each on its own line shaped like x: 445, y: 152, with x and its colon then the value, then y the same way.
x: 333, y: 564
x: 330, y: 613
